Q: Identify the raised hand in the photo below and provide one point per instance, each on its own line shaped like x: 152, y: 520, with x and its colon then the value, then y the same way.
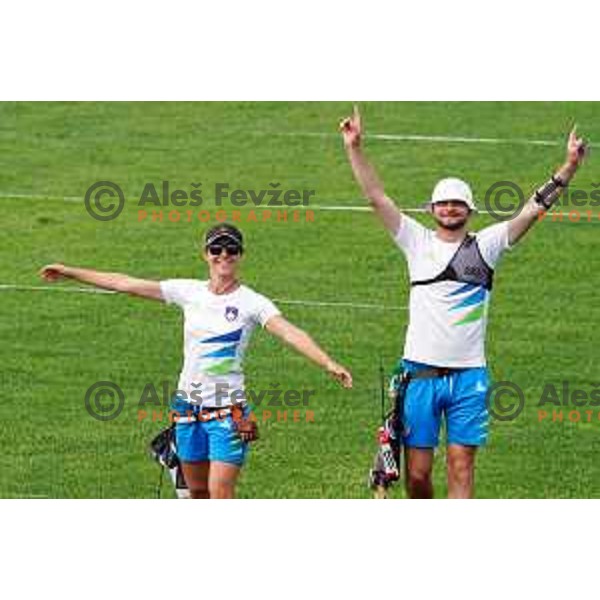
x: 576, y: 148
x: 351, y: 129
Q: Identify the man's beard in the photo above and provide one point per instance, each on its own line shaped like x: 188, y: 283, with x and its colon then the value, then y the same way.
x: 452, y: 226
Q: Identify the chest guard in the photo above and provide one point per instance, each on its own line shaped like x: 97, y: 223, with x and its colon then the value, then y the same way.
x: 466, y: 266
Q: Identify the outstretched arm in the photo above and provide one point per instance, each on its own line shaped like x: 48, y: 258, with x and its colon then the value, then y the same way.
x: 305, y: 345
x: 366, y: 176
x: 116, y: 282
x: 548, y: 194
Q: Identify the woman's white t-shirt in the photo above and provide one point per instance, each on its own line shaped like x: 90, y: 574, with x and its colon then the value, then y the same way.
x: 217, y: 330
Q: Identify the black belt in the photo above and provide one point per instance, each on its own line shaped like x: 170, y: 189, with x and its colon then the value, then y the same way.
x: 217, y: 408
x: 208, y: 413
x: 429, y: 373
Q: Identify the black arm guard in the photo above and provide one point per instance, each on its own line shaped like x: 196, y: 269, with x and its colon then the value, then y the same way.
x: 548, y: 194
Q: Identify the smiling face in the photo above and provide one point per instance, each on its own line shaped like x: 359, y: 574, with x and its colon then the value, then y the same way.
x: 451, y: 214
x: 223, y: 257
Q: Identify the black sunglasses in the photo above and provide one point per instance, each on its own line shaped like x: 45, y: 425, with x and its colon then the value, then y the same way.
x: 230, y: 249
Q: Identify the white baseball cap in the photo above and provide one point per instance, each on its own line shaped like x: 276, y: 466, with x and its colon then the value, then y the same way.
x: 453, y: 189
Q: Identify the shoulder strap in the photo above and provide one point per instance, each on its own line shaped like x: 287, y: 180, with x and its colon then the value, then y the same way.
x: 466, y: 266
x: 449, y: 272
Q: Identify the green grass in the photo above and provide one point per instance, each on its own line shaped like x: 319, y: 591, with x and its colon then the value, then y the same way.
x: 55, y: 345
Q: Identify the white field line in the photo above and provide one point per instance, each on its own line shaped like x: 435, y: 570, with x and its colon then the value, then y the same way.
x: 432, y: 139
x: 350, y: 208
x: 13, y: 287
x: 340, y: 208
x: 417, y: 210
x: 324, y: 207
x: 340, y: 304
x: 41, y: 197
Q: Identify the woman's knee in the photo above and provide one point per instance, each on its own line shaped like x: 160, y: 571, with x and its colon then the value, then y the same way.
x: 199, y: 493
x: 222, y: 480
x: 196, y: 479
x: 221, y: 488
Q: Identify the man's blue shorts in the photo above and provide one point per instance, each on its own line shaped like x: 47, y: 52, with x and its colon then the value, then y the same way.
x: 459, y: 396
x: 212, y: 440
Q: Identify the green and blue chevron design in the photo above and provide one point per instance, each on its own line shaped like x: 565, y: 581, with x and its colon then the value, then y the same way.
x: 475, y: 297
x: 223, y: 358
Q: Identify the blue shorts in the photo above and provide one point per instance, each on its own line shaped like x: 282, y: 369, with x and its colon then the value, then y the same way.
x: 459, y: 396
x: 214, y: 440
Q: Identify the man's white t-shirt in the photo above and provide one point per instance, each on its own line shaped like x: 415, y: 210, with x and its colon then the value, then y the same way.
x: 217, y: 329
x: 447, y: 319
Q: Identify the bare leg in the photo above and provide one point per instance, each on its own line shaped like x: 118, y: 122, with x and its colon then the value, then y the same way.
x: 419, y: 464
x: 196, y: 478
x: 461, y: 471
x: 222, y: 480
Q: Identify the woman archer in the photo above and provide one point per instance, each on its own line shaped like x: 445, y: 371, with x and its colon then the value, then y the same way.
x: 219, y: 316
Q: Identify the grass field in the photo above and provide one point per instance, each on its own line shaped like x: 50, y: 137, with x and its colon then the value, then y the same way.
x: 55, y: 345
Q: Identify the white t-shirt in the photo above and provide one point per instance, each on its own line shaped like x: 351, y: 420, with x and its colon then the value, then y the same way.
x: 447, y: 319
x: 217, y: 330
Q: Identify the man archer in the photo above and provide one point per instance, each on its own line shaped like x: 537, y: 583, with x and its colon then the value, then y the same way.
x: 451, y: 276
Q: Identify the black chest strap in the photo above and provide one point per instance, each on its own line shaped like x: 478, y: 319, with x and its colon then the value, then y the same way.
x: 466, y: 266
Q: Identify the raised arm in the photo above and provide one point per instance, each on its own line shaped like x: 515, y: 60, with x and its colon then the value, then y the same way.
x: 545, y: 196
x: 305, y: 345
x: 115, y: 282
x: 365, y: 174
